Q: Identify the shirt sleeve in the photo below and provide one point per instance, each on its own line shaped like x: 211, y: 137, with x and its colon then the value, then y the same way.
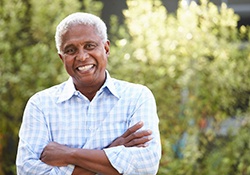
x: 34, y: 136
x: 144, y: 160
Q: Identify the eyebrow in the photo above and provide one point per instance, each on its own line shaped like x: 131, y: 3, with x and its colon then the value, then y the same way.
x: 68, y: 46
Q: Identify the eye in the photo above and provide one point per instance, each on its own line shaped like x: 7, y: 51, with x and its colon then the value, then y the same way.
x: 90, y: 46
x: 70, y: 51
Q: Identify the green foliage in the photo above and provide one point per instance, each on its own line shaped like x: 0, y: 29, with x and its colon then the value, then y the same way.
x: 196, y: 62
x: 29, y: 61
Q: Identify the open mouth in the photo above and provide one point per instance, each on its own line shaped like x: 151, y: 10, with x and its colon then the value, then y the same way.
x: 85, y: 68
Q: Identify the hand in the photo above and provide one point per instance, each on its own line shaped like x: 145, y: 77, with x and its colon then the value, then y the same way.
x: 55, y: 154
x: 132, y: 138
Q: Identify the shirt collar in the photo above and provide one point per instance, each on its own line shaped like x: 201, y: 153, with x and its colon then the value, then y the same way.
x: 109, y: 84
x: 68, y: 90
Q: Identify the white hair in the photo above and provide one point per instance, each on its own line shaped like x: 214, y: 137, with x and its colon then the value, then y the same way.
x: 80, y: 18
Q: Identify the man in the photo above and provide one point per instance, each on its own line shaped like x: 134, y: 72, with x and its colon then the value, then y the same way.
x: 92, y: 123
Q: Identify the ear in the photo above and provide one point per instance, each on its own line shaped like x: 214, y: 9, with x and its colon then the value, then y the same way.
x: 61, y: 57
x: 107, y: 47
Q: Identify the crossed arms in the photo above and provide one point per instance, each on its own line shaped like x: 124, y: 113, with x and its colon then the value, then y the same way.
x: 42, y: 146
x: 89, y: 162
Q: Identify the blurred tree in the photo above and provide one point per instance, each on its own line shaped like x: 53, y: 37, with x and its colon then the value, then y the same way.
x: 197, y: 65
x: 29, y: 61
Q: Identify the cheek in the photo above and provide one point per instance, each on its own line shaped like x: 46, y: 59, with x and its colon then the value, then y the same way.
x: 104, y: 62
x: 68, y: 61
x: 104, y: 59
x: 68, y: 64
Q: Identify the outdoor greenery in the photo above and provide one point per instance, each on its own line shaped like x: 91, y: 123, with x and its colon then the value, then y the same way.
x: 196, y: 62
x: 29, y: 61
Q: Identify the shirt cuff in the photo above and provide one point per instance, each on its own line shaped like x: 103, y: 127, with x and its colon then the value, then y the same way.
x: 68, y: 170
x: 120, y: 159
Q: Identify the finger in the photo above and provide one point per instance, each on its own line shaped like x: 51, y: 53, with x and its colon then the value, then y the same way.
x: 138, y: 134
x: 139, y: 142
x: 132, y: 129
x: 141, y: 145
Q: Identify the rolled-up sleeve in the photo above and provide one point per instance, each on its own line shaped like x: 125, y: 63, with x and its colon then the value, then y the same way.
x: 34, y: 137
x: 140, y: 160
x: 134, y: 160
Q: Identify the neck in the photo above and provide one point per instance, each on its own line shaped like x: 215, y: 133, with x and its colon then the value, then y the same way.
x: 90, y: 89
x: 90, y: 95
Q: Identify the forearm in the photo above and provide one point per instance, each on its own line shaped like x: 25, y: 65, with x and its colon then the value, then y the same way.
x: 134, y: 160
x: 96, y: 161
x: 78, y: 170
x: 91, y: 160
x: 36, y: 167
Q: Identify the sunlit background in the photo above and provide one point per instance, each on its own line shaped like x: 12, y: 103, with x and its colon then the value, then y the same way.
x: 193, y: 55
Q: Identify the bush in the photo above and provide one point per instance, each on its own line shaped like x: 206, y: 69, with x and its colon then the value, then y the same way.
x: 196, y: 64
x: 29, y: 61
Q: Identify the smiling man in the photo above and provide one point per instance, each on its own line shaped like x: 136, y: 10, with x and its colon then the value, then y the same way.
x: 91, y: 123
x: 85, y: 55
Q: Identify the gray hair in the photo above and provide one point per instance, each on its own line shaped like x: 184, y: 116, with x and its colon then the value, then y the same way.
x: 80, y: 18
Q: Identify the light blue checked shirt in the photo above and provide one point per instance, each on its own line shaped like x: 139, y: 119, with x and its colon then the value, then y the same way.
x: 62, y: 114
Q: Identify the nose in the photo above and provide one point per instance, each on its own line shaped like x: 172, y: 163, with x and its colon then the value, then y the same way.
x: 82, y: 55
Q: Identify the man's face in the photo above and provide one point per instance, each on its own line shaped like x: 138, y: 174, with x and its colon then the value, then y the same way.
x: 84, y: 56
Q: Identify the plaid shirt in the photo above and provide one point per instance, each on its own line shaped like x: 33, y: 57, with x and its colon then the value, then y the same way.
x: 62, y: 114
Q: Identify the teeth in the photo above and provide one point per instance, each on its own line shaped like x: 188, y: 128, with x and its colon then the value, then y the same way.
x: 84, y: 68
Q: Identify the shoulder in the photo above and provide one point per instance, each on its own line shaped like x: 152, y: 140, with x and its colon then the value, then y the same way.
x: 51, y: 93
x: 131, y: 89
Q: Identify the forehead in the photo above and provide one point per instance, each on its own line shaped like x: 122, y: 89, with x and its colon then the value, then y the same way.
x: 80, y: 33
